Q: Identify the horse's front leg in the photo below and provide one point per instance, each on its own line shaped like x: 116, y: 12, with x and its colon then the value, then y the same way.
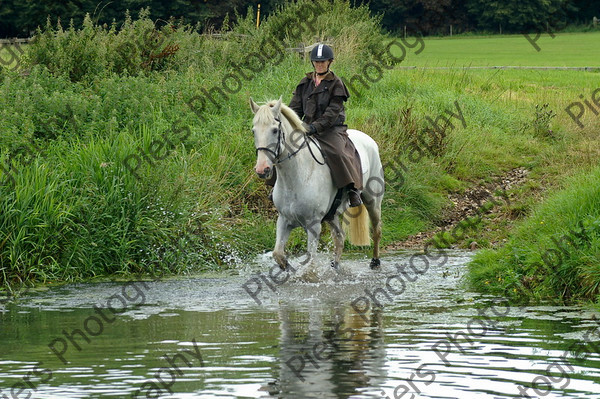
x: 283, y: 233
x: 337, y: 233
x: 313, y: 231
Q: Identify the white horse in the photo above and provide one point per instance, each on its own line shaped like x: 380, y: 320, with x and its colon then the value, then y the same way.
x: 304, y: 190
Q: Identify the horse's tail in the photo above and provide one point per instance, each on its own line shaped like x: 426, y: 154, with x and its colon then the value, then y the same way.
x: 356, y: 223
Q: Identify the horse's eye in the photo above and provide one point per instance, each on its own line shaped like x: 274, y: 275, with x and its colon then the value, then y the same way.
x: 274, y: 131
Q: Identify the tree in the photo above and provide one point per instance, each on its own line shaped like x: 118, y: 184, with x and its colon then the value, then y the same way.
x: 518, y: 15
x: 424, y: 16
x: 22, y: 17
x: 583, y: 11
x: 7, y: 22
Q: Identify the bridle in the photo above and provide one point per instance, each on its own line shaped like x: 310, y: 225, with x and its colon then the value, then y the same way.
x: 281, y: 138
x: 276, y: 154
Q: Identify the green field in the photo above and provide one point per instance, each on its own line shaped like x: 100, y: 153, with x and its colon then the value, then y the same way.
x: 564, y: 50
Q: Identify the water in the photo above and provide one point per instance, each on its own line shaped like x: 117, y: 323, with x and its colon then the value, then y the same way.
x: 199, y: 337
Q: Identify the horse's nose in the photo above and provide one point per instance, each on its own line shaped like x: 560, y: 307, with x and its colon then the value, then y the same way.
x: 265, y: 173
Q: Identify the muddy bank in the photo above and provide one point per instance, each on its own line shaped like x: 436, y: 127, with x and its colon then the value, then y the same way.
x: 472, y: 203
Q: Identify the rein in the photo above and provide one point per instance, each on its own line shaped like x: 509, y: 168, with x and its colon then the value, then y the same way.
x: 281, y: 138
x: 311, y: 153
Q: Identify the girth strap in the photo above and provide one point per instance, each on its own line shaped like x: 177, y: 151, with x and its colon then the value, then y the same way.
x: 336, y: 203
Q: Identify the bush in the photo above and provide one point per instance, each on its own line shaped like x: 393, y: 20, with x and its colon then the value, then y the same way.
x: 96, y: 51
x: 139, y: 47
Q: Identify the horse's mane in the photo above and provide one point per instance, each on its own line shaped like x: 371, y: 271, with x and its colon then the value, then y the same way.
x: 264, y: 114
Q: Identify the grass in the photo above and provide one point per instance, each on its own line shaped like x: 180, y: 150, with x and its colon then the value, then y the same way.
x: 564, y: 50
x: 554, y: 254
x: 76, y: 211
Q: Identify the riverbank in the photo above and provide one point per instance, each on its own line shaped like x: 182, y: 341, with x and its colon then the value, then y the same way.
x: 553, y: 255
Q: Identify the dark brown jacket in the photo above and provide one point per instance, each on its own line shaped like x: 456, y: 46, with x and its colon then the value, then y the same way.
x: 323, y: 107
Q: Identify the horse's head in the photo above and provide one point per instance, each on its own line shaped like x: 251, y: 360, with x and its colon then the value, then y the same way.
x: 267, y: 136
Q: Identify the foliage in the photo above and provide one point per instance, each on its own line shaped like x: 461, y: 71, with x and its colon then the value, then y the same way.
x: 18, y: 18
x: 139, y: 46
x: 94, y: 50
x: 519, y: 15
x: 435, y: 17
x: 423, y: 16
x: 541, y: 122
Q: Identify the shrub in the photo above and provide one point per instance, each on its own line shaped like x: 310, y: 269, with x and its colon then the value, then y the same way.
x: 140, y: 46
x: 96, y: 51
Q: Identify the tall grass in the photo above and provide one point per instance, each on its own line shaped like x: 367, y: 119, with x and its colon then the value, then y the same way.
x: 555, y: 253
x: 139, y: 46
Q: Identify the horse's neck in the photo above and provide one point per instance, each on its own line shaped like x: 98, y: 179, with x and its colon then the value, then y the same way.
x: 299, y: 166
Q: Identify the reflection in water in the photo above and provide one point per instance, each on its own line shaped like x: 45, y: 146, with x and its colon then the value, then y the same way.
x: 329, y: 354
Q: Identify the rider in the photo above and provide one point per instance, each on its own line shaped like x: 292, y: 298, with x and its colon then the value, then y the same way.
x: 319, y: 101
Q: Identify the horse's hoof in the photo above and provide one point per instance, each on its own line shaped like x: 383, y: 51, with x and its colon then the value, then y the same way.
x: 284, y: 267
x: 375, y: 264
x: 335, y: 265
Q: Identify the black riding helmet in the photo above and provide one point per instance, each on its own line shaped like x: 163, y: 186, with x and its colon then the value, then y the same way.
x: 321, y: 52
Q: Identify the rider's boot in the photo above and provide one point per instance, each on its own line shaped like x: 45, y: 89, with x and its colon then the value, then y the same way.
x: 354, y: 197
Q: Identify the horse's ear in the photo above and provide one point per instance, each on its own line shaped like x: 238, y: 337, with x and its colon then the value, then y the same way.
x: 253, y: 105
x: 277, y: 107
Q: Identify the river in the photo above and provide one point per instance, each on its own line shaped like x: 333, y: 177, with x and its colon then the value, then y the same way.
x: 207, y: 337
